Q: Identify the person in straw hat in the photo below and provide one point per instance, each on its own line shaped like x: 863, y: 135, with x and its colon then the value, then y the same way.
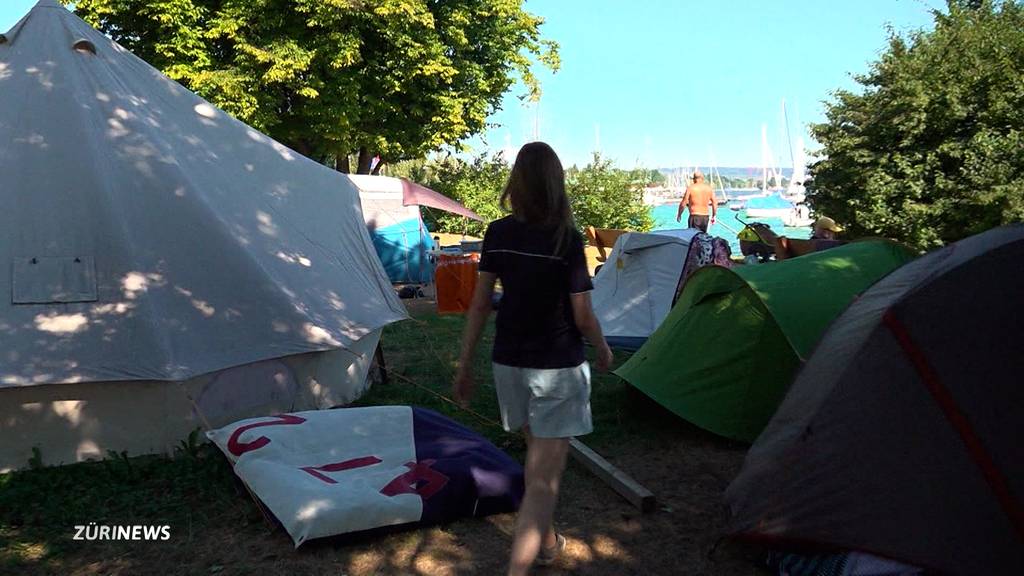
x: 825, y: 228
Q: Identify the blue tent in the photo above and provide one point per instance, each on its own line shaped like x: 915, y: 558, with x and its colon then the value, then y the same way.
x: 391, y: 210
x: 396, y: 229
x: 404, y: 250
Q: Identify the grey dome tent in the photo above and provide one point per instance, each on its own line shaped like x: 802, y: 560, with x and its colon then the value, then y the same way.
x: 163, y: 263
x: 903, y: 436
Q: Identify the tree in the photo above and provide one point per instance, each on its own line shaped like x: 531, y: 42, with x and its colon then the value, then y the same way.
x: 334, y: 78
x: 932, y: 149
x: 655, y: 177
x: 606, y: 197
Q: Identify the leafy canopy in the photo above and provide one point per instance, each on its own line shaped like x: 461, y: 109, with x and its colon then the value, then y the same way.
x: 932, y: 149
x: 398, y: 78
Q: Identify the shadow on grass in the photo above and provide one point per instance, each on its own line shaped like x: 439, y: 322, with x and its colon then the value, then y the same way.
x: 216, y: 528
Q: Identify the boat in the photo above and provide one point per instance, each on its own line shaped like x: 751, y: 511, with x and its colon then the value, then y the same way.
x: 795, y: 191
x: 799, y: 217
x: 773, y: 206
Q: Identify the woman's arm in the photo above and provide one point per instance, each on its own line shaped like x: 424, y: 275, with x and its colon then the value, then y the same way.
x: 479, y: 310
x: 586, y: 322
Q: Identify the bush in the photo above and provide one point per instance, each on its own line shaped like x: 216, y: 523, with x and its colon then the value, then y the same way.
x: 603, y: 196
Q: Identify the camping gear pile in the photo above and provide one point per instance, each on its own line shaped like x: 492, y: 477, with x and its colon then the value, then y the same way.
x: 169, y: 265
x: 330, y: 472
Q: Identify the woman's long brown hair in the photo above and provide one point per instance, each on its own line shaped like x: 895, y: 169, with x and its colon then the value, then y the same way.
x: 535, y: 193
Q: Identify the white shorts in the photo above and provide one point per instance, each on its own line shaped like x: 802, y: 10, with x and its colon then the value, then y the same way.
x: 555, y: 402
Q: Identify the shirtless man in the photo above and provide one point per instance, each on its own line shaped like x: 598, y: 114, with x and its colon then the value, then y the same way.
x: 697, y: 198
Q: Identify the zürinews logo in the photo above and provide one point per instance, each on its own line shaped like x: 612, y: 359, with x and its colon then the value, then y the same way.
x: 137, y: 532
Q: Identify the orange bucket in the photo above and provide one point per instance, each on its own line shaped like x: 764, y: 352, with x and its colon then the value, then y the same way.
x: 455, y: 277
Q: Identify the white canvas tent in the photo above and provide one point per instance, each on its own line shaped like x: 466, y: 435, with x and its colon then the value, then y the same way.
x: 165, y: 263
x: 634, y: 289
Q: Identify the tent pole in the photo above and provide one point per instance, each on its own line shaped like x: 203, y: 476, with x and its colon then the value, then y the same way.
x: 422, y: 246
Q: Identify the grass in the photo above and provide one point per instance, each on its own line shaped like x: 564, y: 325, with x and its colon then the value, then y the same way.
x: 426, y: 349
x: 189, y: 491
x: 217, y: 529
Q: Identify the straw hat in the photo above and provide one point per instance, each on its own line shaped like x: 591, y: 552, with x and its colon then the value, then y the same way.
x: 826, y: 223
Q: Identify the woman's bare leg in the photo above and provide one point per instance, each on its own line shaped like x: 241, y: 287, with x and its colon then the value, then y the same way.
x: 545, y: 461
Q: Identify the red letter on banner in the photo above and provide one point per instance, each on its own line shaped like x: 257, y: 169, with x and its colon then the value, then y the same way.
x: 410, y: 482
x: 238, y: 448
x: 339, y: 466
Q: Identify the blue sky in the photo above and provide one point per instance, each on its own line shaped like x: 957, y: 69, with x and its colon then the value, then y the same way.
x: 677, y: 82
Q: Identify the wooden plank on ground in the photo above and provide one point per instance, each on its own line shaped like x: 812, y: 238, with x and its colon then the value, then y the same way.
x: 621, y: 482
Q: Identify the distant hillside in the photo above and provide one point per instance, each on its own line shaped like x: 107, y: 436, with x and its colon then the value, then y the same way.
x: 726, y: 172
x: 727, y: 177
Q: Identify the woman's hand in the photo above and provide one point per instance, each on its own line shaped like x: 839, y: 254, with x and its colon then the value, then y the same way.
x: 464, y: 385
x: 604, y: 358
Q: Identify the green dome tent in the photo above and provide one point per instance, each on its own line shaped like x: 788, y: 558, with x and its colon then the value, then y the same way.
x: 728, y: 350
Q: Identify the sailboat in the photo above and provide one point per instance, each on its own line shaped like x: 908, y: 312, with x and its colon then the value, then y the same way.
x: 795, y: 192
x: 713, y: 173
x: 770, y: 204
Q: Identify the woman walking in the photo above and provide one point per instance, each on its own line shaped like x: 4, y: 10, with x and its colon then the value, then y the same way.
x: 541, y: 377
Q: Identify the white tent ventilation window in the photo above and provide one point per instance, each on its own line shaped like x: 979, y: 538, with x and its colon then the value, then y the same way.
x: 83, y: 45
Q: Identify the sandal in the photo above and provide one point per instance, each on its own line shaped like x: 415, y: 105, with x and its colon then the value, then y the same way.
x: 548, y: 556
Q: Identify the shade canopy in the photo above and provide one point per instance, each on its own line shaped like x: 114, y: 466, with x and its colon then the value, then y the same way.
x: 414, y: 194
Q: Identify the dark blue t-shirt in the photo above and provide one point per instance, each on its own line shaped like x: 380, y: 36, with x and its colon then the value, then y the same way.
x: 535, y: 325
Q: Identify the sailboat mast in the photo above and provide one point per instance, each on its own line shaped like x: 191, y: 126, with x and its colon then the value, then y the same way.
x: 713, y: 173
x: 789, y: 141
x: 764, y: 157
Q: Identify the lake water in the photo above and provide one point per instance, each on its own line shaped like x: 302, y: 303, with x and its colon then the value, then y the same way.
x: 727, y: 225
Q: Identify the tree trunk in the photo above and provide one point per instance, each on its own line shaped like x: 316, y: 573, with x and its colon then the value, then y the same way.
x: 302, y: 147
x: 341, y: 163
x: 365, y: 160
